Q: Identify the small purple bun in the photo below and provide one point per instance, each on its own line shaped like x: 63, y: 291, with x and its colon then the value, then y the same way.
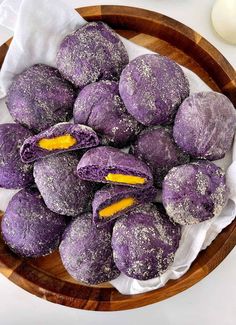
x: 92, y: 52
x: 194, y: 192
x: 13, y: 172
x: 111, y: 165
x: 144, y: 242
x: 152, y: 88
x: 156, y: 147
x: 39, y: 97
x: 205, y: 124
x: 112, y: 201
x: 59, y: 138
x: 86, y: 251
x: 62, y: 190
x: 99, y: 106
x: 29, y: 228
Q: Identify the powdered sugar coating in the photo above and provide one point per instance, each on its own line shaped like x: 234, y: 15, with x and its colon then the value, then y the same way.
x: 99, y: 106
x: 13, y: 172
x: 86, y: 251
x: 29, y: 228
x: 39, y: 97
x: 194, y: 192
x: 156, y: 147
x: 152, y: 88
x: 144, y: 242
x: 205, y: 125
x: 92, y: 52
x: 62, y: 190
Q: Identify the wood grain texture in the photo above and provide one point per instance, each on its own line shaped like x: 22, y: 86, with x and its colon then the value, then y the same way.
x: 46, y: 277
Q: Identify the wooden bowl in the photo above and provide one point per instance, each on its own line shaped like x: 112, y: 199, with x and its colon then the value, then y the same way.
x: 46, y: 277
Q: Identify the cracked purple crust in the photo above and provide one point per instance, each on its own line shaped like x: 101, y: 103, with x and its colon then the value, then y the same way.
x: 110, y: 194
x: 62, y: 190
x: 194, y: 192
x: 40, y: 97
x: 144, y: 242
x: 205, y: 124
x: 99, y: 106
x: 152, y: 88
x: 96, y: 163
x: 14, y: 173
x: 92, y: 52
x: 29, y: 228
x: 156, y: 147
x: 85, y: 136
x: 86, y: 251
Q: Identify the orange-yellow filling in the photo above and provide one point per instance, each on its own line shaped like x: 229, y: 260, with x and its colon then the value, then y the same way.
x: 61, y: 142
x: 125, y: 179
x: 112, y: 209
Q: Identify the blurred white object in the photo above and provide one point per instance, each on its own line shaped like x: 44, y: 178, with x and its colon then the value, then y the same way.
x: 223, y: 17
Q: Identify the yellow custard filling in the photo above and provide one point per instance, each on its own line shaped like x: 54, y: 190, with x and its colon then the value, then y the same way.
x: 112, y: 209
x: 61, y: 142
x: 125, y: 179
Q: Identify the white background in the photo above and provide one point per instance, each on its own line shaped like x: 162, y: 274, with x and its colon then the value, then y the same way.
x: 211, y: 301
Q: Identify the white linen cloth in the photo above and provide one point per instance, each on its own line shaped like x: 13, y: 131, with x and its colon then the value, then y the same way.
x: 38, y: 29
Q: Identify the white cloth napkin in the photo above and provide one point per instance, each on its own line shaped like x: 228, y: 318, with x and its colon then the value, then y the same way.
x: 38, y: 29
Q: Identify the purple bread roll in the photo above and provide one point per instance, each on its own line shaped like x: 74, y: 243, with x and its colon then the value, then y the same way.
x: 144, y: 242
x: 113, y: 201
x: 156, y: 147
x: 111, y: 165
x: 39, y: 98
x: 99, y: 106
x: 29, y: 228
x: 152, y: 88
x: 62, y: 190
x: 59, y: 138
x: 86, y: 251
x: 194, y: 192
x: 13, y: 172
x: 205, y: 125
x: 92, y: 52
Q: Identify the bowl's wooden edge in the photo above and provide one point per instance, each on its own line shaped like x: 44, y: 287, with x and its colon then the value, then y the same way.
x: 109, y: 299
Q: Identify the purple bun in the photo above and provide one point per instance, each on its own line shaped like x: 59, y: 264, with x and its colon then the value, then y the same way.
x: 99, y: 106
x: 152, y: 88
x: 194, y: 192
x: 39, y: 97
x: 13, y: 172
x: 97, y: 163
x: 62, y: 190
x: 83, y: 137
x: 86, y: 251
x: 92, y: 52
x: 156, y: 147
x: 144, y: 242
x: 205, y: 124
x: 29, y: 228
x: 111, y: 194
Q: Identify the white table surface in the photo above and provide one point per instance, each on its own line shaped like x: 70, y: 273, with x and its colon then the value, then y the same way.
x: 211, y: 301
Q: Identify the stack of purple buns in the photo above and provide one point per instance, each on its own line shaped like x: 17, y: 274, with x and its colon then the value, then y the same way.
x: 89, y: 186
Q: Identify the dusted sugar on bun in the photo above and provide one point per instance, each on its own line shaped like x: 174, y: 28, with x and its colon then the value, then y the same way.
x: 14, y: 173
x: 29, y: 228
x: 156, y: 147
x: 62, y: 190
x: 99, y: 106
x: 111, y: 165
x: 152, y: 88
x: 144, y: 242
x: 39, y: 97
x: 92, y: 52
x: 86, y: 251
x: 205, y: 125
x: 194, y: 192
